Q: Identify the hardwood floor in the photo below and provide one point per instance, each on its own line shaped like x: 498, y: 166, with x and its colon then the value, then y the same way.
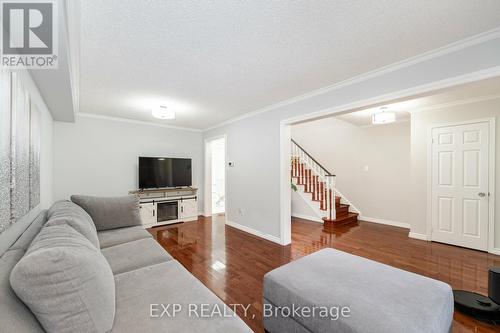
x: 232, y: 263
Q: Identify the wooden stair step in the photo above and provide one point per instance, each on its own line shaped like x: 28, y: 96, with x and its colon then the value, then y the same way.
x: 342, y: 207
x: 338, y: 211
x: 348, y: 218
x: 342, y: 212
x: 338, y: 206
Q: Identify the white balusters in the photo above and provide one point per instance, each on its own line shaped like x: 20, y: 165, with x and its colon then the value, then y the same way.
x: 322, y: 188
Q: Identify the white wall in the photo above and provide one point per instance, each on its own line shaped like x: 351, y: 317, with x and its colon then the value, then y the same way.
x: 254, y: 141
x: 420, y: 124
x: 372, y: 164
x: 253, y: 183
x: 97, y: 156
x: 301, y: 209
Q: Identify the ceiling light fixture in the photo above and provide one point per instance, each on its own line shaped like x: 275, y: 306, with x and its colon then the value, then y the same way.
x: 383, y: 117
x: 161, y: 112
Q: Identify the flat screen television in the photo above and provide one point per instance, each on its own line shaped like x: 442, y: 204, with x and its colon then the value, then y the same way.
x: 160, y: 172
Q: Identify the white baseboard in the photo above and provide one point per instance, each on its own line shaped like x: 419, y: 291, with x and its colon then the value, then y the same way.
x: 202, y: 213
x: 307, y: 217
x: 416, y: 235
x: 254, y: 232
x: 495, y: 250
x: 383, y: 221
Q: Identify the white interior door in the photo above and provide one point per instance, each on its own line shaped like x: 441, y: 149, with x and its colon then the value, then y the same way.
x: 460, y: 193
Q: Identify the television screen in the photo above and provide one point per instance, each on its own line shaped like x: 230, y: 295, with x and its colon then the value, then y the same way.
x: 158, y: 172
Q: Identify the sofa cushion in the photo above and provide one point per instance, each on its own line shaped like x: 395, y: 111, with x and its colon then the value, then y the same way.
x: 66, y: 282
x: 64, y: 208
x: 114, y: 237
x: 136, y: 254
x: 142, y: 291
x: 68, y: 213
x: 14, y: 315
x: 111, y: 213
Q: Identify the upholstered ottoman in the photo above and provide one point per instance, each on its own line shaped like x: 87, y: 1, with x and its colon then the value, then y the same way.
x: 333, y: 291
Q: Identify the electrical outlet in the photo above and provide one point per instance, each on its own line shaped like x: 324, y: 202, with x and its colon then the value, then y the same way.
x: 231, y: 164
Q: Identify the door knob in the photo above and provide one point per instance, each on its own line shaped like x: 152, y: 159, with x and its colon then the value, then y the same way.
x: 482, y: 194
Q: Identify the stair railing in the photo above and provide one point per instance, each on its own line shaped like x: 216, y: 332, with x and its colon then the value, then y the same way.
x: 315, y: 178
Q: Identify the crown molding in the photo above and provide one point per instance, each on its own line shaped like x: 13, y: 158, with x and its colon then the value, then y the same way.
x: 72, y: 12
x: 436, y: 107
x: 137, y: 122
x: 453, y: 47
x: 398, y: 95
x: 456, y: 103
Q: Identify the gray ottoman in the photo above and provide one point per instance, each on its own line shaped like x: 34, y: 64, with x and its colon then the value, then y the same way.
x: 333, y: 291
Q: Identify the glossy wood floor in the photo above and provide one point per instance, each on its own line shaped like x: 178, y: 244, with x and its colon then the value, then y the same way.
x: 232, y: 263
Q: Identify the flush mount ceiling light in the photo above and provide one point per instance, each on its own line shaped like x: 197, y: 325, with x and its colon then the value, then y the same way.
x: 161, y: 112
x: 383, y: 117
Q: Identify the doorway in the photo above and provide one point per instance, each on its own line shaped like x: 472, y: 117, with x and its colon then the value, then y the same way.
x: 461, y: 172
x: 215, y: 176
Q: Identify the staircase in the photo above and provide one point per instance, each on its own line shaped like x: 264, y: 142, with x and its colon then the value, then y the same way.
x: 316, y: 185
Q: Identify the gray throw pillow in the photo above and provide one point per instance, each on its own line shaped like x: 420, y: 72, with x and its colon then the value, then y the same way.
x: 66, y: 282
x: 69, y: 213
x: 111, y: 213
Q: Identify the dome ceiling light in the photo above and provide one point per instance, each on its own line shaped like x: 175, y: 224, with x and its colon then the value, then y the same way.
x: 161, y: 112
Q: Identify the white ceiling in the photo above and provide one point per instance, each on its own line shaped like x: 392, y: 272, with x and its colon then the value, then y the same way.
x: 214, y: 60
x: 467, y: 92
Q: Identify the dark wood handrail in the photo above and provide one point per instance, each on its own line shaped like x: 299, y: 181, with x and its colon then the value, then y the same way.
x: 328, y: 173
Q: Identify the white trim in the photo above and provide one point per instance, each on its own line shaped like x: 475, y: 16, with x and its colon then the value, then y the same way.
x: 456, y: 103
x: 428, y: 212
x: 437, y: 107
x: 416, y: 235
x: 72, y: 10
x: 208, y: 174
x: 307, y: 217
x: 491, y: 177
x: 385, y: 222
x: 254, y: 232
x: 401, y: 94
x: 207, y: 177
x: 286, y: 191
x: 495, y: 251
x: 133, y: 121
x: 455, y: 46
x: 492, y: 185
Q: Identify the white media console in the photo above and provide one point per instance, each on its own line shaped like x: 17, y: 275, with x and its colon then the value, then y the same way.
x: 169, y: 205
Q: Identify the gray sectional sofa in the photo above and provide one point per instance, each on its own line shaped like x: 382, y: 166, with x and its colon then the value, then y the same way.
x: 118, y: 279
